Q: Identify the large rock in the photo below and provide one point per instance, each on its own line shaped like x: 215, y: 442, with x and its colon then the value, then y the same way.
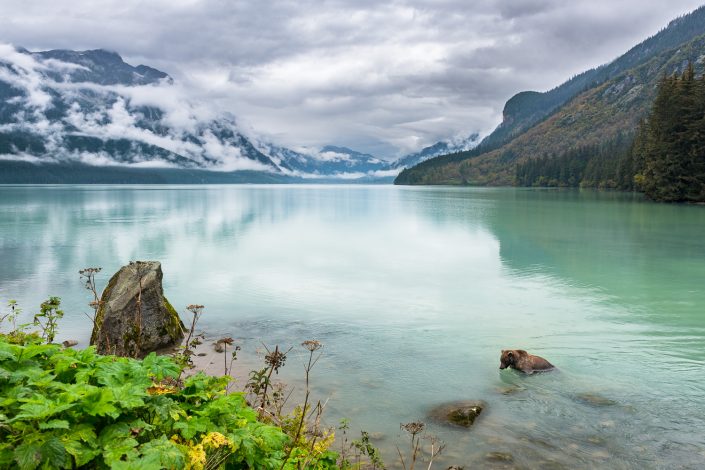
x: 458, y: 413
x: 124, y: 328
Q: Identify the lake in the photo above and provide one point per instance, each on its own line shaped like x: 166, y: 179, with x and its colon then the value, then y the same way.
x: 414, y: 292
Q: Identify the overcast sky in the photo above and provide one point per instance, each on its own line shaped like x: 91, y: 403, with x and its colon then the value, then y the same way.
x: 380, y: 77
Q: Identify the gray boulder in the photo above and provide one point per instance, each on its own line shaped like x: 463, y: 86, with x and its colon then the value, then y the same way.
x: 458, y: 413
x: 126, y: 326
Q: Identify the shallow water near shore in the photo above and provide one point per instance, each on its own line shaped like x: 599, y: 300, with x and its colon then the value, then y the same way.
x: 414, y: 292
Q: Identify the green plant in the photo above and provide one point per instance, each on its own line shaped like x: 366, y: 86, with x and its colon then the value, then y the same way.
x: 359, y: 453
x: 64, y: 408
x: 415, y: 430
x: 15, y: 312
x: 260, y: 381
x: 88, y: 278
x: 48, y: 317
x: 183, y: 353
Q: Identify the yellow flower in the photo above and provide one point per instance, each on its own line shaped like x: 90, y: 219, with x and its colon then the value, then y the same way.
x: 197, y: 457
x: 159, y: 389
x: 215, y: 440
x: 324, y: 443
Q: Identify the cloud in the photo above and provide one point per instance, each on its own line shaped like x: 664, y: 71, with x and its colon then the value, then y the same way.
x: 115, y: 113
x: 382, y: 77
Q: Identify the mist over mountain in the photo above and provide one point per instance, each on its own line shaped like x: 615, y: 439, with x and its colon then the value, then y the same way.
x: 91, y: 107
x: 65, y: 107
x: 444, y: 147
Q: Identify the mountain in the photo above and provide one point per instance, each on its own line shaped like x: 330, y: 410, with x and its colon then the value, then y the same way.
x: 91, y: 107
x: 82, y: 111
x: 439, y: 148
x: 591, y: 108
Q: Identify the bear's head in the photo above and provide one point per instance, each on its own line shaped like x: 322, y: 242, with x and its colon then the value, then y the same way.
x: 510, y: 357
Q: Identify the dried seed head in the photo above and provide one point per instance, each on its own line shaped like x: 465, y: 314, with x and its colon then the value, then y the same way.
x: 89, y: 271
x: 275, y: 359
x: 413, y: 428
x: 195, y: 309
x: 312, y: 345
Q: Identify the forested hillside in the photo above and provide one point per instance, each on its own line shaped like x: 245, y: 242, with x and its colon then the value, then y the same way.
x: 613, y: 100
x: 665, y: 158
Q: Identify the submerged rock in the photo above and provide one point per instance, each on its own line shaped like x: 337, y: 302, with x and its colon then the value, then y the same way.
x: 134, y: 318
x: 459, y: 413
x: 499, y: 461
x: 502, y: 457
x: 595, y: 399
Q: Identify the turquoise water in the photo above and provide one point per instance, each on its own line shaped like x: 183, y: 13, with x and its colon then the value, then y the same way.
x: 414, y: 292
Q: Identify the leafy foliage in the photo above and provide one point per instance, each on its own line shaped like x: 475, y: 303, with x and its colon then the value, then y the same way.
x: 62, y: 408
x: 670, y: 151
x: 48, y: 317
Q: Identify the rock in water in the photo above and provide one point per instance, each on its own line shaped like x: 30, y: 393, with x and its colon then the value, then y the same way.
x: 124, y: 326
x: 459, y: 413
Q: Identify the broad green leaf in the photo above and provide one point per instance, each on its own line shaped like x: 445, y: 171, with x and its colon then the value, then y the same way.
x: 7, y: 354
x: 81, y: 443
x: 115, y: 450
x: 191, y: 426
x: 54, y: 424
x: 7, y: 457
x: 113, y: 374
x: 171, y: 455
x: 143, y: 462
x: 160, y: 366
x: 28, y: 456
x: 39, y: 407
x: 113, y: 432
x: 81, y: 452
x: 54, y: 454
x: 129, y: 396
x: 33, y: 350
x: 83, y: 432
x: 100, y: 403
x: 116, y: 441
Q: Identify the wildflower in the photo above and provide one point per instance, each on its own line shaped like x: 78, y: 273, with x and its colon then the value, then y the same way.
x: 195, y: 309
x: 197, y: 457
x: 323, y: 444
x: 312, y: 345
x: 413, y: 428
x: 275, y: 359
x: 215, y: 440
x: 160, y: 389
x: 89, y: 271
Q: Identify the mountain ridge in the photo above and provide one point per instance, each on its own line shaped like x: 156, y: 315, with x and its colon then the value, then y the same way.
x: 92, y: 108
x: 531, y: 130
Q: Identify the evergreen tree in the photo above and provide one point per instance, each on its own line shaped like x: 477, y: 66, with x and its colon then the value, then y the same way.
x: 670, y: 145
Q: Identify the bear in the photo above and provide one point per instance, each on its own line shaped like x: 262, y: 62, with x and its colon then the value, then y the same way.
x: 521, y: 360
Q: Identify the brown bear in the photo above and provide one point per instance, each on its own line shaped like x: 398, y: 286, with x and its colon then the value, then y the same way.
x: 521, y: 360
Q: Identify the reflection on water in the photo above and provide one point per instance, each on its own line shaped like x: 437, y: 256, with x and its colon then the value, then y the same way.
x: 414, y: 291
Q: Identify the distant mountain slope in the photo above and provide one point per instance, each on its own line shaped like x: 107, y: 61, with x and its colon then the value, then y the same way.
x: 439, y: 148
x: 528, y: 107
x: 76, y: 108
x: 91, y: 107
x: 592, y: 107
x: 101, y: 67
